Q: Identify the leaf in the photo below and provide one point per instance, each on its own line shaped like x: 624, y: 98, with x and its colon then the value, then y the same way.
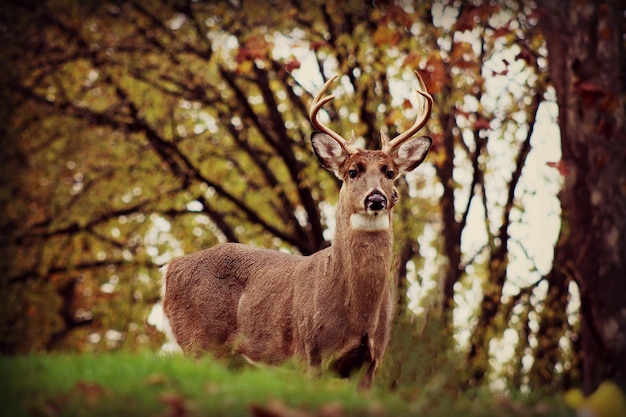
x: 175, y: 403
x: 463, y: 55
x: 463, y: 113
x: 396, y: 114
x: 435, y: 74
x: 89, y: 391
x: 255, y: 47
x: 291, y: 65
x: 386, y: 36
x: 412, y: 60
x: 502, y: 31
x: 245, y: 67
x: 396, y: 14
x: 465, y: 22
x: 316, y: 45
x: 83, y: 393
x: 560, y: 166
x: 525, y: 55
x: 589, y: 93
x: 481, y: 124
x: 277, y: 408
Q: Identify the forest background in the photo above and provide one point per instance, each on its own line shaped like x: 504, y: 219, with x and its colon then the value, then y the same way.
x: 134, y: 132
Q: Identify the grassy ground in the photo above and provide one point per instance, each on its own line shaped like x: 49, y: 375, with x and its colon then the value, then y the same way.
x: 150, y: 385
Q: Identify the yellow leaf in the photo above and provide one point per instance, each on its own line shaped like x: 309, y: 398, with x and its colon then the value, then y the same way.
x: 385, y: 36
x: 574, y: 398
x: 412, y: 60
x: 607, y: 401
x: 245, y: 67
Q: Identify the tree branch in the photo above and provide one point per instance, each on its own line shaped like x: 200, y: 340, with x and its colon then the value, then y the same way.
x: 520, y: 162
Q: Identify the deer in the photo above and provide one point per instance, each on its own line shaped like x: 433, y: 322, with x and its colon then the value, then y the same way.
x: 331, y: 309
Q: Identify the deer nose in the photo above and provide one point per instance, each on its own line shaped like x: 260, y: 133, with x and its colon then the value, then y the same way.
x: 376, y: 201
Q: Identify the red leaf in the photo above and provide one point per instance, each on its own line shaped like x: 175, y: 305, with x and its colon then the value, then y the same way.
x: 481, y: 124
x: 589, y: 93
x: 276, y: 408
x: 502, y: 31
x: 314, y: 46
x: 435, y: 74
x: 396, y: 14
x: 560, y: 166
x: 89, y: 392
x: 587, y: 87
x: 294, y: 64
x: 465, y: 22
x: 525, y: 55
x: 255, y: 47
x: 175, y: 403
x: 463, y: 113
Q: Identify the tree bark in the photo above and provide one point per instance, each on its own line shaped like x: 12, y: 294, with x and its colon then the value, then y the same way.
x: 586, y: 59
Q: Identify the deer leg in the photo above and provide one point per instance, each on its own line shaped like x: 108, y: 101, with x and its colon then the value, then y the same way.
x: 354, y: 359
x: 314, y: 359
x: 368, y: 377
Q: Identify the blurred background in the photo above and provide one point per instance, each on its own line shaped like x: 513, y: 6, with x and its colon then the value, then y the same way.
x: 137, y: 131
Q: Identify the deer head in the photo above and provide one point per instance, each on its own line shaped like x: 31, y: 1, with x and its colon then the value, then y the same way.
x: 368, y: 176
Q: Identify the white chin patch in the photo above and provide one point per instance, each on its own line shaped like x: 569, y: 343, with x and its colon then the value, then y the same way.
x: 369, y: 222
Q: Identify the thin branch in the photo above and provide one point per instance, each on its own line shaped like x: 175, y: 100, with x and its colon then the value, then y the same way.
x: 474, y: 257
x: 507, y: 307
x: 517, y: 173
x: 535, y: 268
x: 476, y: 178
x: 105, y: 239
x: 82, y: 266
x: 75, y: 227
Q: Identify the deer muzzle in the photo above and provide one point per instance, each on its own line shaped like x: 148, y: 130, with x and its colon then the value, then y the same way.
x: 376, y: 201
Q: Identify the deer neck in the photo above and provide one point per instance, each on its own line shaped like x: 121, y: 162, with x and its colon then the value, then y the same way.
x: 362, y: 255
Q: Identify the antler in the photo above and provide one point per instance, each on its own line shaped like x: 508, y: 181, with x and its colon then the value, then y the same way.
x: 422, y: 117
x: 318, y: 102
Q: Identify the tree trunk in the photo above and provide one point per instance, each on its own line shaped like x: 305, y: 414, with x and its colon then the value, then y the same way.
x: 585, y: 47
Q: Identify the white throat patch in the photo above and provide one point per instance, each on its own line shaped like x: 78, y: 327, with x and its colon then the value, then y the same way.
x: 369, y: 222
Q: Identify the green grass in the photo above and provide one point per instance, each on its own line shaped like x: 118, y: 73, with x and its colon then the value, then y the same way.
x: 145, y: 384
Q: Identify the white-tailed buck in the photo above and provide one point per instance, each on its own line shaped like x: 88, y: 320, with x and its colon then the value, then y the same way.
x: 332, y: 308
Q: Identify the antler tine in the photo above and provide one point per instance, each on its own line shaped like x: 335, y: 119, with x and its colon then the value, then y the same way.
x: 420, y: 121
x: 318, y: 103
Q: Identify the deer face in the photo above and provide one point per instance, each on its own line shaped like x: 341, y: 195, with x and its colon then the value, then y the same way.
x: 368, y: 192
x: 368, y: 176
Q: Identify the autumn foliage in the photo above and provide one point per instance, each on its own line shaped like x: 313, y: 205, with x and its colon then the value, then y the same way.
x: 134, y: 132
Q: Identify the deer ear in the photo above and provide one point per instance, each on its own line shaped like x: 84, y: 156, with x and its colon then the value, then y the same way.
x: 328, y: 151
x: 411, y: 154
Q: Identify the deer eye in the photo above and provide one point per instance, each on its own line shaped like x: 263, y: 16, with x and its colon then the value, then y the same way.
x: 353, y: 173
x: 390, y: 175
